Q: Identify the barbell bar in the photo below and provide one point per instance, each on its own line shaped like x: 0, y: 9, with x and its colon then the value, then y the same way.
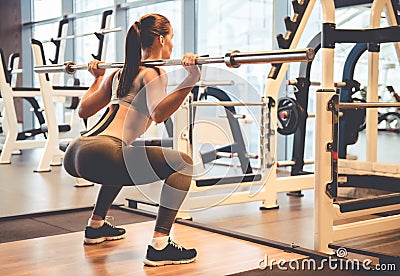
x: 295, y: 82
x: 232, y: 59
x: 227, y: 103
x: 368, y: 105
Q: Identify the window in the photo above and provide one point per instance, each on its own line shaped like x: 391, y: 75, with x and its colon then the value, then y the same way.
x: 45, y: 33
x: 87, y: 45
x: 87, y: 5
x: 45, y: 9
x: 236, y: 25
x: 42, y: 10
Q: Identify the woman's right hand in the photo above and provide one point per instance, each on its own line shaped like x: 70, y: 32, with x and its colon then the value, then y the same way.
x: 94, y: 69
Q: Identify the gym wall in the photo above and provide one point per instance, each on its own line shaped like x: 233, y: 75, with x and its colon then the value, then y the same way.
x: 10, y: 37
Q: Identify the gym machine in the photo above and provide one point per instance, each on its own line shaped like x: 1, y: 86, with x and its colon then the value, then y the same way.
x: 328, y: 206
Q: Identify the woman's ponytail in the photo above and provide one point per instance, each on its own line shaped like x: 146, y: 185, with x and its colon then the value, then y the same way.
x: 133, y: 56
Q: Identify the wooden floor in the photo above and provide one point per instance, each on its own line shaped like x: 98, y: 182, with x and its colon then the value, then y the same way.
x: 24, y: 192
x: 66, y: 254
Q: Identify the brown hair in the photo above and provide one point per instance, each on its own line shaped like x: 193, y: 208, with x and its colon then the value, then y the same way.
x: 141, y: 35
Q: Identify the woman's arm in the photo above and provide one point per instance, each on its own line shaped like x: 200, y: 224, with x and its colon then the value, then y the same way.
x: 162, y: 106
x: 98, y: 94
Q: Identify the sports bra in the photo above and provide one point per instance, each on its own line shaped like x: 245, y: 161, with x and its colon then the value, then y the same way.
x: 136, y: 97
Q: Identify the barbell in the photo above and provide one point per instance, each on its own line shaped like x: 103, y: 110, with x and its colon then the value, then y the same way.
x: 232, y: 59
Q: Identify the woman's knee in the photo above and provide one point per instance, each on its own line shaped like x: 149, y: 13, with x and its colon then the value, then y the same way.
x: 186, y: 164
x: 186, y: 158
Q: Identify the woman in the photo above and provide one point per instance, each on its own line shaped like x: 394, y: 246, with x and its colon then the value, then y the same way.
x: 108, y: 158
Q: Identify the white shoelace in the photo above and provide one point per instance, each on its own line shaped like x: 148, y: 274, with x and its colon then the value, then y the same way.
x: 174, y: 244
x: 108, y: 220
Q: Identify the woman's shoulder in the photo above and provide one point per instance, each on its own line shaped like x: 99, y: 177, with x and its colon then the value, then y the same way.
x: 151, y: 73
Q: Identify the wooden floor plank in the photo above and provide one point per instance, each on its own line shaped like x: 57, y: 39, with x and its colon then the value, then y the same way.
x: 66, y: 255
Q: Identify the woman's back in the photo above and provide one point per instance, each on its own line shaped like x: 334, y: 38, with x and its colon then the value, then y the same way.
x: 133, y: 117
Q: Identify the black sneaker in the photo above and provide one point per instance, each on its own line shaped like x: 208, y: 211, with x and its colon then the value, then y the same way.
x: 173, y: 253
x: 107, y: 232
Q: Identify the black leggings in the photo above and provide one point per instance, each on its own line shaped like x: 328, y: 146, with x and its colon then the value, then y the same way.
x: 106, y: 160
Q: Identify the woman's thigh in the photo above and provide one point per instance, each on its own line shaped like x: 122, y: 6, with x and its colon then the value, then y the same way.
x: 146, y: 164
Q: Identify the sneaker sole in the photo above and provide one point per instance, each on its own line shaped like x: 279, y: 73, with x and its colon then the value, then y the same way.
x: 166, y: 262
x: 102, y: 239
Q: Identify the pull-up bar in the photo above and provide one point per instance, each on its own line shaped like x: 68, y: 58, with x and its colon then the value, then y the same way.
x: 232, y: 59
